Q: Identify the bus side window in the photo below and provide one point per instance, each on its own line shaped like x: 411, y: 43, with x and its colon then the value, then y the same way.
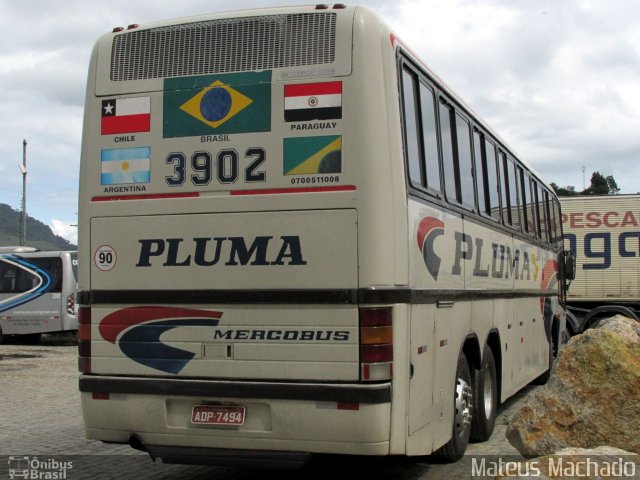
x: 411, y: 123
x: 448, y: 161
x: 523, y: 199
x: 506, y: 206
x: 53, y: 267
x: 514, y: 199
x: 528, y: 216
x: 542, y: 214
x: 480, y: 164
x: 549, y: 212
x: 533, y: 212
x: 493, y: 180
x: 465, y: 167
x: 7, y: 278
x: 429, y: 138
x: 486, y: 176
x: 557, y: 222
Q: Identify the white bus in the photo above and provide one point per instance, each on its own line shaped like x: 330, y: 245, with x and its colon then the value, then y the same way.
x: 296, y: 239
x: 37, y: 292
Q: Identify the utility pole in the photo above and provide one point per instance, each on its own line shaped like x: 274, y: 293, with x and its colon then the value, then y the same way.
x: 23, y: 219
x: 583, y: 179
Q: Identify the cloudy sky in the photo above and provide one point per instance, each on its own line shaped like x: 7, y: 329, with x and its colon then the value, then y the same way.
x: 558, y: 79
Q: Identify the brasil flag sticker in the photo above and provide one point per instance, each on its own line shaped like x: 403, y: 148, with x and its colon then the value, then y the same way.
x: 217, y: 104
x: 309, y: 155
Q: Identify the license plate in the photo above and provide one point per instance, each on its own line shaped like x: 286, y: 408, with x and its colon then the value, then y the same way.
x: 217, y: 415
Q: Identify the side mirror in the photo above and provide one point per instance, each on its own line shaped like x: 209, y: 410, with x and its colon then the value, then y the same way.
x: 569, y: 261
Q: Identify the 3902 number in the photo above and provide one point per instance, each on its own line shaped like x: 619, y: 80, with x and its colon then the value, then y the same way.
x: 226, y: 167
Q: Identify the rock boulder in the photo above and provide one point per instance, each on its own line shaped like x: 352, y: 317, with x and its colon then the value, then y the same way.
x: 592, y: 397
x: 571, y: 463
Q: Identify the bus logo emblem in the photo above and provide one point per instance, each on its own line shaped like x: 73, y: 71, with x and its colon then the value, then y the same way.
x: 137, y: 331
x: 429, y: 229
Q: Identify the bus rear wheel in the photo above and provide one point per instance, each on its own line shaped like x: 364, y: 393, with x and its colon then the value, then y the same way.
x: 2, y: 336
x: 454, y: 449
x: 486, y: 398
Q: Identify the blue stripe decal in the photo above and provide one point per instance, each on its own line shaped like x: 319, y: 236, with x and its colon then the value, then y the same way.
x: 45, y: 281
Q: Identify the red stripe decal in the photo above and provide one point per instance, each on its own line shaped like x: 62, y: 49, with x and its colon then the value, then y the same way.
x: 264, y: 191
x: 115, y: 323
x: 304, y: 89
x: 276, y: 191
x: 151, y: 196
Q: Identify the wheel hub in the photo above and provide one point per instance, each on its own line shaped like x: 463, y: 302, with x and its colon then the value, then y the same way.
x: 464, y: 405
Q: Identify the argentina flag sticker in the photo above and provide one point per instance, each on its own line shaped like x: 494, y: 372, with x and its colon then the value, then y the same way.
x: 125, y: 165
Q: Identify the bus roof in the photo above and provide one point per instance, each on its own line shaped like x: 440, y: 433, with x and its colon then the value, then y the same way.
x: 18, y: 249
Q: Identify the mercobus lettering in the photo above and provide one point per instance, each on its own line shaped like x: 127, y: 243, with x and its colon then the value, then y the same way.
x: 211, y: 251
x: 282, y: 335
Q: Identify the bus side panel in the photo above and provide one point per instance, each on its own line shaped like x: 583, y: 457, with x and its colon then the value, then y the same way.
x: 438, y: 326
x: 40, y: 315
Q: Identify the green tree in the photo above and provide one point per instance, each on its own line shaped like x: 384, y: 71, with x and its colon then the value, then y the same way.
x: 613, y: 186
x: 567, y: 191
x: 601, y: 185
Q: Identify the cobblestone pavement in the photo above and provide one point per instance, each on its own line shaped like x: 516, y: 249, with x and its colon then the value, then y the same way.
x: 40, y: 418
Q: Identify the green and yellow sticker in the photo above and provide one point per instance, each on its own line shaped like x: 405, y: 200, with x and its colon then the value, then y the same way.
x: 217, y: 104
x: 309, y: 155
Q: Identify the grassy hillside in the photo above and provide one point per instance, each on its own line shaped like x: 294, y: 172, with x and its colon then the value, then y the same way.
x: 39, y: 235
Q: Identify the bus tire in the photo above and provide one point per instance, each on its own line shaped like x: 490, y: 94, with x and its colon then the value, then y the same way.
x: 454, y: 449
x: 2, y: 336
x: 485, y: 396
x: 31, y: 338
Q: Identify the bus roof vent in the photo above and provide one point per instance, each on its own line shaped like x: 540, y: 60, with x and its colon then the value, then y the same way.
x: 224, y: 45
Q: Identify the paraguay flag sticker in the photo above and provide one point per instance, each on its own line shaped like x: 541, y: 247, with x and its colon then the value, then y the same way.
x: 125, y: 165
x: 312, y: 101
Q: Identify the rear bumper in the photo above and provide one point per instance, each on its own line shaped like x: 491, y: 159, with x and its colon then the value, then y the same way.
x: 282, y: 417
x: 377, y: 393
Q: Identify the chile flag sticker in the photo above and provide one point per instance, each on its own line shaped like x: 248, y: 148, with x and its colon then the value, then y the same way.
x: 125, y: 115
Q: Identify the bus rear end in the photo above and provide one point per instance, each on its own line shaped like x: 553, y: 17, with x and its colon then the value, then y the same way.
x: 220, y: 290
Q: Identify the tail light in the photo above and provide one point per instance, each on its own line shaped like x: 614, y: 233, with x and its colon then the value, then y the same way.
x: 376, y: 344
x: 71, y: 305
x: 84, y: 339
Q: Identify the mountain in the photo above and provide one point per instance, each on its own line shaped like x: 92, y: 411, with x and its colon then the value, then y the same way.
x: 39, y: 235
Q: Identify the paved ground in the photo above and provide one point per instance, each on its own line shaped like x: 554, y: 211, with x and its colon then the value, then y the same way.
x: 40, y: 418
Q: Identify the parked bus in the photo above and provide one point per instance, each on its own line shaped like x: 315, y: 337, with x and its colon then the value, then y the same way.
x: 297, y: 239
x: 603, y: 233
x: 37, y: 292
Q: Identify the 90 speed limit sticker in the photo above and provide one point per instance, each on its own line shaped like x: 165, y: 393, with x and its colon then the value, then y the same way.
x: 105, y: 258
